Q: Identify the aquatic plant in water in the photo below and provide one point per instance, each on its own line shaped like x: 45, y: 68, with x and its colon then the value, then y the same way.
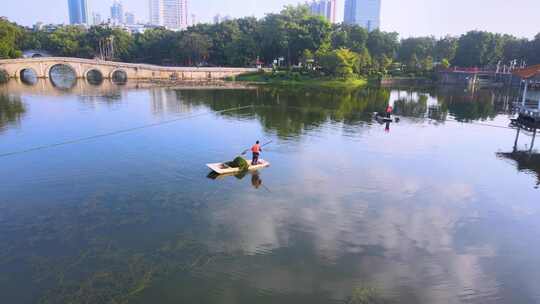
x: 365, y: 295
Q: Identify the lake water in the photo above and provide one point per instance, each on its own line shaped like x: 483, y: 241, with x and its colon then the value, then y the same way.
x: 105, y: 197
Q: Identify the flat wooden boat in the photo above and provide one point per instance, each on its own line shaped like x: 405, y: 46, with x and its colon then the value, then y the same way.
x: 382, y: 118
x: 223, y: 168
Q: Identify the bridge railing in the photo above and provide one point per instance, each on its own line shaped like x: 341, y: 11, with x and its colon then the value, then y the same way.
x: 122, y: 64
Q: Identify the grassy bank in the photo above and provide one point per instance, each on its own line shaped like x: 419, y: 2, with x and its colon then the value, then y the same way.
x: 297, y: 79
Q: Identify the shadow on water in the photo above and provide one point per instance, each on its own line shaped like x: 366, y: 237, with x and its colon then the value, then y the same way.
x: 525, y: 162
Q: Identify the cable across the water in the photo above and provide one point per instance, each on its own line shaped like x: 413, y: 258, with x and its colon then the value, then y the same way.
x: 472, y: 123
x: 77, y: 140
x: 93, y: 137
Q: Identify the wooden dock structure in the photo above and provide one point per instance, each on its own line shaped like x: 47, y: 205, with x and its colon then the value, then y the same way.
x: 528, y: 110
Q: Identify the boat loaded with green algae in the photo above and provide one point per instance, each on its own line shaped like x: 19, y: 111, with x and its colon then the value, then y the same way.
x: 240, y: 163
x: 298, y: 79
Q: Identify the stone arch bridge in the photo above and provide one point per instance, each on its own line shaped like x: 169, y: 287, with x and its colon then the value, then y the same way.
x: 109, y: 69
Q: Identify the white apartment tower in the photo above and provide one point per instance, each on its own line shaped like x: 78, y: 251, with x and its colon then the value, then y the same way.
x: 171, y: 14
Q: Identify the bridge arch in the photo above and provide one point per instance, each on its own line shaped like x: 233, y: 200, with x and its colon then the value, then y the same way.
x: 67, y: 77
x: 94, y: 76
x: 119, y: 76
x: 61, y: 64
x: 27, y: 75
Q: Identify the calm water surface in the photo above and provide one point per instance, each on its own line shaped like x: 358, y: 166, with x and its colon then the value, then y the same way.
x: 433, y: 209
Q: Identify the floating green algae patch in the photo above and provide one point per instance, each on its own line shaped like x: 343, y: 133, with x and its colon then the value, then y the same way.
x: 240, y: 163
x: 365, y: 295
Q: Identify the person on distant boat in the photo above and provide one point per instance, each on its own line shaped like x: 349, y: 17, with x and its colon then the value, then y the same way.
x: 389, y: 110
x: 256, y: 150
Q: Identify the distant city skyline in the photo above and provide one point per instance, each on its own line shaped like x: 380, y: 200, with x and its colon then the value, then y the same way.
x: 172, y: 14
x: 366, y: 13
x: 117, y: 12
x: 77, y: 11
x: 416, y: 18
x: 325, y: 8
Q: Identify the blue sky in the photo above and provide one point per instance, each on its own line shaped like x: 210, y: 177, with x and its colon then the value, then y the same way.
x: 407, y: 17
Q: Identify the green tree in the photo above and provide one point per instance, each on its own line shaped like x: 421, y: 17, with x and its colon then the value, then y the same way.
x: 426, y: 64
x: 478, y: 49
x: 244, y: 48
x: 193, y: 48
x: 421, y: 47
x: 382, y: 44
x: 445, y: 63
x: 274, y: 37
x: 307, y: 57
x: 533, y: 51
x: 10, y: 34
x: 353, y: 37
x: 155, y: 46
x: 445, y: 48
x: 364, y: 62
x: 68, y: 41
x: 413, y: 64
x: 358, y: 37
x: 341, y: 62
x: 515, y: 48
x: 123, y: 42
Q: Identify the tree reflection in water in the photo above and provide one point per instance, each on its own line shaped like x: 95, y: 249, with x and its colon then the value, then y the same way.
x: 11, y: 110
x: 291, y: 112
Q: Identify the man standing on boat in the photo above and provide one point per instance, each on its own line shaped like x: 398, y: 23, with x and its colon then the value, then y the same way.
x: 256, y: 150
x: 389, y: 110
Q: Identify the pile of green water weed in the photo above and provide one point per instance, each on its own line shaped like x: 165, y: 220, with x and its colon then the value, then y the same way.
x: 240, y: 163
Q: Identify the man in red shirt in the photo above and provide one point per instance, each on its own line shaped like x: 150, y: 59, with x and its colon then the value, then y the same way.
x: 256, y: 150
x: 389, y: 111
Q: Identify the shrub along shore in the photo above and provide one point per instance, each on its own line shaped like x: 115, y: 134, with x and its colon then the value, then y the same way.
x: 285, y: 78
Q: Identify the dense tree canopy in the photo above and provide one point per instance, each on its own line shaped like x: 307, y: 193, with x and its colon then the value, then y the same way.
x: 293, y: 34
x: 9, y: 35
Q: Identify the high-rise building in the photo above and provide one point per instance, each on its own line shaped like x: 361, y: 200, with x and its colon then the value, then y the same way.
x: 96, y: 19
x: 325, y: 8
x: 117, y: 12
x: 78, y: 11
x: 217, y: 19
x: 129, y: 18
x: 366, y: 13
x: 172, y: 14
